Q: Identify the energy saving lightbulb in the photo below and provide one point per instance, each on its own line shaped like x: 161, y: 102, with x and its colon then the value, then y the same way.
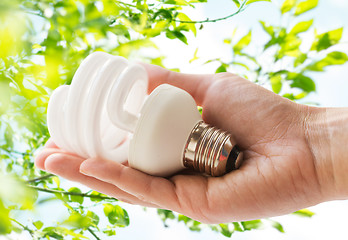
x: 170, y: 136
x: 106, y: 113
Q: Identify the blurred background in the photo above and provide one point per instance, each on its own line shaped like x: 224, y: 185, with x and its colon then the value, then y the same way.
x: 41, y: 53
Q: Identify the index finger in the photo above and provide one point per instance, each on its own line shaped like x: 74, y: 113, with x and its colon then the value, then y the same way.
x: 50, y: 144
x: 195, y: 84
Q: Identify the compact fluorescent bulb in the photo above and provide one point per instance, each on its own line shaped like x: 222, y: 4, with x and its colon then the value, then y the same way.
x: 104, y: 114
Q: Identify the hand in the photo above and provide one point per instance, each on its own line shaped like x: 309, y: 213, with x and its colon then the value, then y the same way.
x: 284, y: 167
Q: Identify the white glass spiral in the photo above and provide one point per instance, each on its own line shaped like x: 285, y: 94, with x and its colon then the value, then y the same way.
x: 94, y: 115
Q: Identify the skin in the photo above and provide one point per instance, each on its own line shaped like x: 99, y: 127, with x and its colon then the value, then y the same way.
x: 294, y: 156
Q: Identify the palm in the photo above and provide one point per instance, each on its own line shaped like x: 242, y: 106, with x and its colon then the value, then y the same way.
x: 278, y: 167
x: 276, y: 157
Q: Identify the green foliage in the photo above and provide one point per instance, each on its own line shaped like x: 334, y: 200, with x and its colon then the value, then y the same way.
x: 326, y: 40
x: 42, y: 42
x: 290, y: 63
x: 75, y: 198
x: 226, y: 229
x: 304, y: 213
x: 41, y: 45
x: 116, y: 215
x: 305, y: 6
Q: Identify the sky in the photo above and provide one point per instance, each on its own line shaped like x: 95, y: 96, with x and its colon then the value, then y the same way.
x: 330, y: 219
x: 331, y: 86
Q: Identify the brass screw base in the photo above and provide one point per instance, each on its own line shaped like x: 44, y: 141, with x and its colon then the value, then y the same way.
x: 211, y: 150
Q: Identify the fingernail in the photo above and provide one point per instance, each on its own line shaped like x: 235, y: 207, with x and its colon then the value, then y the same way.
x: 83, y: 168
x: 84, y: 172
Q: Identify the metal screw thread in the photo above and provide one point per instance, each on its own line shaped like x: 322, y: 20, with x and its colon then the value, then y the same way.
x: 211, y: 150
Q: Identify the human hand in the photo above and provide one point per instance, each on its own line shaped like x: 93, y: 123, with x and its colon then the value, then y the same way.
x: 284, y: 166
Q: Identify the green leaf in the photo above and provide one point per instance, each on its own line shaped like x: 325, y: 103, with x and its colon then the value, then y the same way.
x: 225, y: 230
x: 300, y: 59
x: 276, y: 83
x: 328, y: 39
x: 176, y: 34
x: 193, y: 225
x: 165, y: 214
x: 269, y: 29
x: 194, y: 58
x: 287, y: 6
x: 73, y: 198
x: 301, y: 81
x: 301, y: 27
x: 78, y: 220
x: 38, y: 224
x: 254, y: 224
x: 222, y: 68
x: 200, y: 110
x: 53, y: 232
x: 109, y: 232
x: 277, y: 226
x: 237, y: 3
x: 189, y: 26
x: 293, y: 97
x: 304, y: 213
x: 333, y: 58
x: 243, y: 42
x: 155, y: 30
x: 5, y: 223
x: 97, y: 196
x: 116, y: 215
x: 164, y: 14
x: 290, y: 46
x: 93, y: 217
x: 238, y: 227
x: 305, y: 6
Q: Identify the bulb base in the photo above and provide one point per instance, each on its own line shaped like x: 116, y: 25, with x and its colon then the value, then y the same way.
x: 211, y: 150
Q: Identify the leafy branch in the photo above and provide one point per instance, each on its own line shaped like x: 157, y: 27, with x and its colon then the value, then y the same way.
x: 22, y: 226
x: 93, y: 233
x: 40, y: 178
x: 242, y: 7
x: 71, y: 193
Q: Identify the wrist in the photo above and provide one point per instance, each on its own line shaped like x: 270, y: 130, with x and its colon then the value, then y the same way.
x: 327, y: 137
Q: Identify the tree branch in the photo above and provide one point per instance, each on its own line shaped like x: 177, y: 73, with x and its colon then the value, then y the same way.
x: 93, y: 233
x: 24, y: 227
x: 240, y: 9
x: 71, y: 193
x: 35, y: 14
x: 40, y: 178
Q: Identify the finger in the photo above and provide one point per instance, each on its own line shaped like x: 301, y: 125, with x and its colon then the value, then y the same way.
x: 50, y: 144
x: 156, y: 190
x: 194, y: 84
x: 41, y: 157
x: 67, y: 166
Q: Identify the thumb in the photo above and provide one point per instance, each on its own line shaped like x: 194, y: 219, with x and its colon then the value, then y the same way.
x: 195, y: 84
